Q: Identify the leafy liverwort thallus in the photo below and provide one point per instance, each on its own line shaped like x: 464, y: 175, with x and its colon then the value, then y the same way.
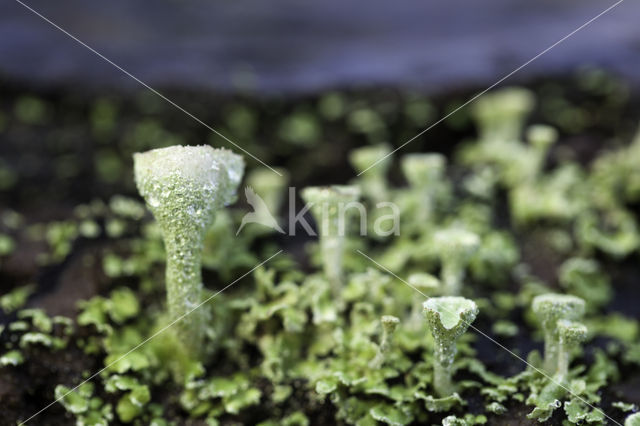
x: 183, y: 187
x: 448, y: 318
x: 557, y: 314
x: 329, y: 206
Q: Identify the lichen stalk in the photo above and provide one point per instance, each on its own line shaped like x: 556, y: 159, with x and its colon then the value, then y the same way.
x: 389, y: 325
x: 183, y: 188
x: 551, y: 308
x: 448, y: 318
x: 329, y: 207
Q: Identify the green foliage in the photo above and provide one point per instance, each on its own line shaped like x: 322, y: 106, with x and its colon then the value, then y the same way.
x: 553, y: 310
x: 504, y: 221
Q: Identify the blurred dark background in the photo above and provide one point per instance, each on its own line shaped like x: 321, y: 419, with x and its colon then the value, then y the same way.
x: 293, y: 82
x: 284, y: 46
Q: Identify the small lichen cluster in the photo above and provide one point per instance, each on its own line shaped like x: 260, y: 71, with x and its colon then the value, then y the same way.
x: 489, y: 237
x: 558, y: 315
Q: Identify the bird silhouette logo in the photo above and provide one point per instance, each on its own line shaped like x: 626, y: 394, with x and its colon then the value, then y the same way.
x: 260, y: 213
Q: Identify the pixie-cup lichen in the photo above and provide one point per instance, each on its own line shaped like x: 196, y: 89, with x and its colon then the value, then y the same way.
x: 183, y: 187
x: 501, y: 114
x: 389, y: 325
x: 448, y: 318
x: 570, y: 335
x: 632, y: 420
x: 425, y: 174
x: 271, y: 187
x: 374, y: 181
x: 550, y: 309
x: 428, y: 286
x: 329, y: 207
x: 541, y: 138
x: 455, y: 246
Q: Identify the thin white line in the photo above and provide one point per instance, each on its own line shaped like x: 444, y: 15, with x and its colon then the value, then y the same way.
x: 153, y: 336
x: 495, y: 84
x: 494, y: 341
x: 148, y: 87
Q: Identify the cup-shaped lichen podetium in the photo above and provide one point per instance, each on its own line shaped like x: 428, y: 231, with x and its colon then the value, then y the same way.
x: 389, y: 325
x: 373, y: 180
x: 455, y: 247
x: 571, y: 334
x: 501, y: 114
x: 550, y: 308
x: 425, y: 174
x: 448, y: 318
x: 183, y: 187
x: 330, y: 207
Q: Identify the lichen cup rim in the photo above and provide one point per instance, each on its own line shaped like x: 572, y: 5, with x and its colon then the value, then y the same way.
x: 450, y: 309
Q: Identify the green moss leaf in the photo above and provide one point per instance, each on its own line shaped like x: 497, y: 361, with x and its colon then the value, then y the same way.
x: 632, y: 420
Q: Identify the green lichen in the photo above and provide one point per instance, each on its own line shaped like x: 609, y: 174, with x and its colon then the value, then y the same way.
x: 374, y: 181
x: 425, y: 174
x: 632, y: 420
x: 389, y: 325
x: 16, y: 298
x: 184, y: 186
x: 455, y: 246
x: 550, y: 308
x: 448, y: 319
x: 330, y: 207
x: 11, y: 358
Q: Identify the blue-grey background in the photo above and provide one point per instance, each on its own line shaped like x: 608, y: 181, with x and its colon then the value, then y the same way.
x: 300, y: 45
